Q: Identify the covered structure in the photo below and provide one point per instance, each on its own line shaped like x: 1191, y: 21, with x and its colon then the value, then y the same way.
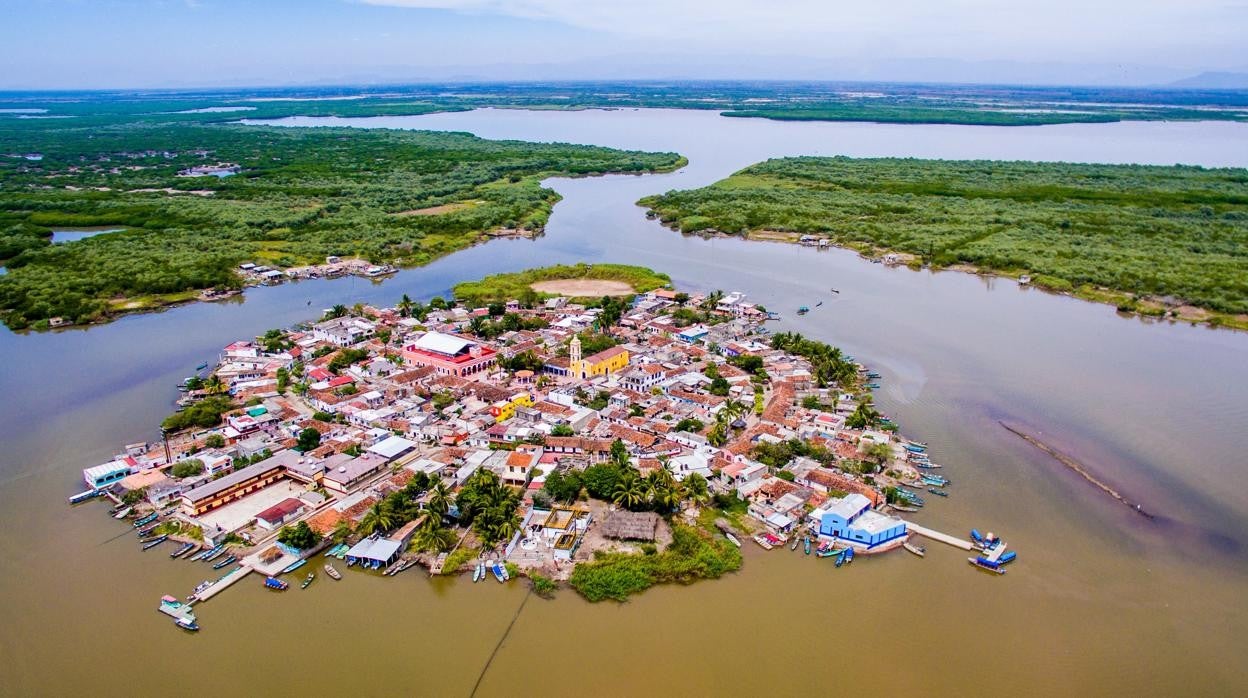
x: 631, y: 525
x: 374, y: 552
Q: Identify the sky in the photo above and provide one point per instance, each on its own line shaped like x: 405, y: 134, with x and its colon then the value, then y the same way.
x: 65, y: 44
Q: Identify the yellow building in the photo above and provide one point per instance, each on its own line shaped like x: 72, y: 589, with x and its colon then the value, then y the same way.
x: 504, y: 410
x: 604, y: 362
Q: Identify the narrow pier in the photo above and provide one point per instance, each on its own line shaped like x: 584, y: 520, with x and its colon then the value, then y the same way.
x: 223, y: 583
x: 938, y: 536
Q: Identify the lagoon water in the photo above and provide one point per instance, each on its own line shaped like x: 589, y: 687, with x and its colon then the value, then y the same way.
x: 1101, y: 601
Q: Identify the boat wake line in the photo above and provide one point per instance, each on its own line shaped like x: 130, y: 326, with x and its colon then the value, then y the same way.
x: 1077, y: 467
x: 501, y: 640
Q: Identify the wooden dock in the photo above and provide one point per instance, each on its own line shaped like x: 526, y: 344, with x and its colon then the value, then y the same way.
x: 223, y: 583
x: 938, y: 536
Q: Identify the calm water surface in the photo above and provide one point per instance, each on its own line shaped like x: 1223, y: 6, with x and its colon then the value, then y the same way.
x: 1100, y: 602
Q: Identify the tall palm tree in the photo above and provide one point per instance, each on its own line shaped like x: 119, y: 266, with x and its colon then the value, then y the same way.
x: 377, y: 518
x: 696, y: 489
x: 405, y: 305
x: 214, y: 385
x: 630, y: 491
x: 342, y: 530
x: 439, y: 498
x: 437, y: 539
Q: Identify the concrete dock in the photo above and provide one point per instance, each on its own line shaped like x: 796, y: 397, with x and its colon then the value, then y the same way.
x: 938, y: 536
x: 223, y: 583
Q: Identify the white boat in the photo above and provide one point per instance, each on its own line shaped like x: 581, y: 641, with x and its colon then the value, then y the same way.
x: 123, y: 513
x: 916, y: 549
x: 732, y: 539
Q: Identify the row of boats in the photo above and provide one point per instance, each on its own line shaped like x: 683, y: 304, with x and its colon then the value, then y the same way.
x: 483, y: 569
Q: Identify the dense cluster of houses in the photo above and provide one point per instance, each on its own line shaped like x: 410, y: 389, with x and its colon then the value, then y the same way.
x: 429, y: 396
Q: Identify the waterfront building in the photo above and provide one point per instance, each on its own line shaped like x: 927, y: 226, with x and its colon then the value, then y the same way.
x: 851, y: 518
x: 236, y: 485
x: 108, y: 474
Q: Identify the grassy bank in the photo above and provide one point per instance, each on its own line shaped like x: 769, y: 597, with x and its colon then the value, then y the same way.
x: 694, y: 554
x: 518, y: 284
x: 1153, y: 240
x: 301, y: 195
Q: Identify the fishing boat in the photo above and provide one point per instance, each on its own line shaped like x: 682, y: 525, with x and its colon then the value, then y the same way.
x: 872, y: 374
x: 506, y: 574
x: 916, y: 549
x: 803, y: 310
x: 834, y: 290
x: 202, y: 366
x: 975, y: 536
x: 293, y: 566
x: 873, y: 386
x: 275, y: 584
x: 187, y: 624
x: 186, y: 548
x: 933, y: 479
x: 200, y: 587
x: 144, y: 533
x: 849, y: 554
x: 84, y: 496
x: 227, y: 561
x: 806, y: 543
x: 938, y: 493
x: 796, y: 542
x: 199, y: 555
x: 140, y: 522
x: 766, y: 545
x: 732, y: 539
x: 498, y: 571
x: 215, y: 553
x: 915, y: 449
x: 333, y: 573
x: 926, y: 465
x: 477, y: 572
x: 987, y: 565
x: 826, y: 549
x: 1007, y: 557
x: 307, y: 580
x: 818, y: 304
x: 149, y: 544
x: 125, y: 511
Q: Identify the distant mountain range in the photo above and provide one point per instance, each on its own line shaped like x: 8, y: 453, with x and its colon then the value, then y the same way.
x: 1213, y: 81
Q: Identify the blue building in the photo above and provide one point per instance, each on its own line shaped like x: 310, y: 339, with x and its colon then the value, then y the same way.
x: 104, y: 475
x: 850, y: 518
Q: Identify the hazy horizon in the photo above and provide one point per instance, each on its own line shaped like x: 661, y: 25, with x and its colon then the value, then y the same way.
x: 171, y: 44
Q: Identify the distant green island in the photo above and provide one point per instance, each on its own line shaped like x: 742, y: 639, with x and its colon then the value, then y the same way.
x: 1153, y: 240
x: 573, y: 280
x: 195, y: 199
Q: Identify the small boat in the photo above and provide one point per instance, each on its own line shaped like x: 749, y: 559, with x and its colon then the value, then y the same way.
x: 872, y: 374
x: 275, y: 584
x: 1007, y: 557
x: 873, y: 386
x: 987, y: 565
x: 149, y: 544
x: 498, y: 571
x: 916, y: 449
x: 840, y: 560
x: 187, y: 624
x: 806, y: 543
x: 933, y: 479
x: 763, y: 542
x: 202, y: 366
x: 84, y: 496
x: 125, y: 511
x: 938, y: 493
x: 144, y: 533
x: 796, y: 542
x: 477, y: 572
x: 186, y: 548
x: 293, y: 566
x: 139, y: 523
x: 916, y: 549
x: 803, y: 310
x: 826, y: 549
x: 214, y: 553
x: 307, y: 580
x: 849, y: 554
x: 975, y: 536
x: 834, y: 290
x: 333, y: 573
x: 200, y: 587
x: 732, y: 539
x: 818, y: 304
x: 227, y: 561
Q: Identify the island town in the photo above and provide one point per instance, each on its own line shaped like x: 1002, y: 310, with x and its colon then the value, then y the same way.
x: 607, y: 434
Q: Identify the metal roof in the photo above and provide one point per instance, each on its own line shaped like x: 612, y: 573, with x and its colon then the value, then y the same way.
x: 442, y: 343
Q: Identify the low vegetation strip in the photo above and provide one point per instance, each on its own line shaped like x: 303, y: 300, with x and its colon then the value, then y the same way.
x: 694, y: 554
x: 279, y: 197
x: 1147, y: 238
x: 575, y: 280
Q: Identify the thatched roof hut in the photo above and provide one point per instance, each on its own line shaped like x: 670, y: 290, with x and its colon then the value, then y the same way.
x: 631, y: 525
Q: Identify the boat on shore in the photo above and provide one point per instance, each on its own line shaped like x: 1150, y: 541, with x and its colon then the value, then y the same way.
x: 307, y: 580
x: 149, y: 544
x: 477, y: 572
x: 293, y: 566
x: 929, y: 479
x: 732, y: 539
x: 916, y: 549
x: 227, y: 561
x: 763, y: 542
x: 275, y: 584
x: 498, y: 571
x: 333, y: 573
x: 123, y: 513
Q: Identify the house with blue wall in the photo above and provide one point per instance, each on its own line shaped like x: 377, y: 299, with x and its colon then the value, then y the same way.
x: 850, y: 518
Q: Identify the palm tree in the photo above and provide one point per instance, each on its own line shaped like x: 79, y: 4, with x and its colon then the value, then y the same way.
x: 214, y: 385
x: 438, y: 539
x: 717, y: 436
x: 630, y: 491
x: 733, y: 409
x: 508, y: 522
x: 667, y: 496
x: 405, y: 306
x: 337, y: 311
x: 378, y: 518
x: 476, y: 324
x: 696, y: 489
x: 342, y: 530
x: 439, y: 498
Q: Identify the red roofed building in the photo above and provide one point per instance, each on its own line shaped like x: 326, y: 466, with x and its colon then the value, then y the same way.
x: 278, y: 514
x: 450, y: 354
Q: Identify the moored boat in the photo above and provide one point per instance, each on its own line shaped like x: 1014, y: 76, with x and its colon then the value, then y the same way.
x: 275, y: 584
x: 477, y: 572
x: 931, y: 479
x: 198, y: 588
x: 916, y: 549
x: 938, y: 493
x: 123, y: 513
x: 202, y: 366
x: 149, y: 544
x: 307, y: 580
x: 498, y: 571
x: 187, y: 624
x: 293, y: 566
x: 145, y: 520
x: 732, y: 539
x: 215, y: 553
x: 796, y: 543
x: 803, y: 310
x: 987, y: 565
x: 333, y: 573
x: 763, y: 542
x: 806, y: 544
x: 84, y: 496
x: 227, y: 561
x: 186, y: 548
x: 1007, y: 557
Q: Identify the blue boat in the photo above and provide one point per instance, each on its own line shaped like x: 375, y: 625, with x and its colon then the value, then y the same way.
x: 1007, y: 557
x: 803, y: 310
x: 84, y: 496
x: 985, y: 564
x: 294, y: 566
x: 938, y: 493
x: 933, y: 479
x: 202, y: 366
x: 186, y: 548
x: 916, y: 449
x: 497, y: 569
x: 148, y: 544
x: 214, y: 553
x: 849, y: 554
x: 189, y: 624
x: 976, y: 536
x: 275, y: 584
x: 227, y: 561
x: 873, y: 386
x: 807, y: 544
x: 138, y: 523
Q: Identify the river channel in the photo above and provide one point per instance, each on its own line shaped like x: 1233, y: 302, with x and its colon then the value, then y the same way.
x: 1101, y: 601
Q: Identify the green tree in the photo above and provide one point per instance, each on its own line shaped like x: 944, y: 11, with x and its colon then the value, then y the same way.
x: 377, y: 519
x: 309, y: 439
x: 299, y: 536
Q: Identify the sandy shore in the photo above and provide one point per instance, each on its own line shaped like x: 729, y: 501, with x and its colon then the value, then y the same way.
x: 584, y: 287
